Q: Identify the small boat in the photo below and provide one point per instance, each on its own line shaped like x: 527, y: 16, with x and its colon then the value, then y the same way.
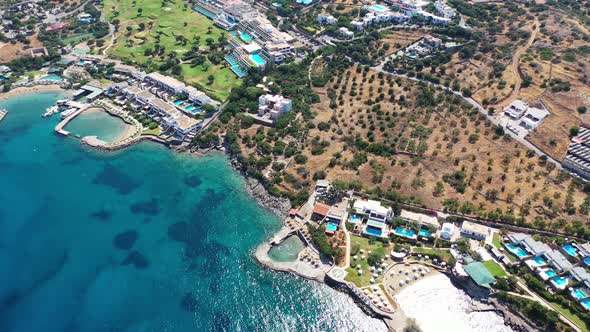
x: 50, y: 111
x: 3, y: 113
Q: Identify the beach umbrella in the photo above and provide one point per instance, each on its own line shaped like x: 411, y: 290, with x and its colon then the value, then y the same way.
x: 363, y: 257
x: 375, y: 275
x: 426, y: 257
x: 366, y: 290
x: 379, y: 270
x: 372, y: 280
x: 379, y: 305
x: 355, y: 257
x: 443, y: 263
x: 362, y: 251
x: 407, y: 280
x: 375, y: 288
x: 372, y: 268
x: 414, y: 269
x: 401, y: 271
x: 360, y: 272
x: 415, y: 276
x: 391, y: 273
x: 419, y: 255
x: 423, y: 273
x: 369, y: 252
x: 382, y: 260
x: 401, y: 282
x: 406, y: 272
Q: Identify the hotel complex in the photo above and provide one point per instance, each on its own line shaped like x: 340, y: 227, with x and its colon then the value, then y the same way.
x: 577, y: 158
x: 253, y: 41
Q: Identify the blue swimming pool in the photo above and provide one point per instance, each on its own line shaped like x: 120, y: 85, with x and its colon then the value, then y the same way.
x: 586, y: 303
x: 305, y: 2
x: 570, y: 249
x: 579, y: 294
x: 373, y: 231
x: 179, y: 101
x: 245, y: 37
x: 378, y: 7
x: 549, y: 273
x: 332, y: 226
x: 540, y: 260
x: 424, y: 232
x: 354, y: 218
x: 51, y: 78
x: 405, y: 231
x: 257, y: 59
x: 518, y: 251
x: 560, y: 281
x: 586, y: 260
x: 190, y: 107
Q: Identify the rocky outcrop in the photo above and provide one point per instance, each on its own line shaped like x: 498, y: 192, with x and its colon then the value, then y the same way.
x: 278, y: 205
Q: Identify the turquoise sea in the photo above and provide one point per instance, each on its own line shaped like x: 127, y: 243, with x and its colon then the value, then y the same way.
x: 138, y: 240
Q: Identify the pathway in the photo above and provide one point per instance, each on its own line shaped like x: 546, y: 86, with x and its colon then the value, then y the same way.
x: 516, y: 64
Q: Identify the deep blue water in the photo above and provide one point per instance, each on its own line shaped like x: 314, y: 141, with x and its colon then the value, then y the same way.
x: 138, y: 240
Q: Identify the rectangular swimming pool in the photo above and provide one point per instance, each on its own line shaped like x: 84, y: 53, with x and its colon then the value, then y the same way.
x: 378, y: 7
x: 354, y: 218
x: 257, y: 59
x: 569, y: 248
x: 424, y: 232
x: 373, y: 231
x: 245, y: 37
x: 405, y: 231
x: 586, y: 303
x: 586, y: 260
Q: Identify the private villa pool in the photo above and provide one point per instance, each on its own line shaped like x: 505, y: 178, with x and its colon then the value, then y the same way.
x: 586, y: 260
x: 424, y: 232
x: 179, y: 102
x: 548, y: 273
x: 305, y: 2
x: 378, y: 7
x: 407, y: 232
x: 245, y: 37
x: 286, y: 251
x: 332, y: 227
x: 373, y: 231
x: 569, y: 248
x: 257, y: 59
x: 540, y: 260
x: 190, y: 107
x: 354, y: 218
x: 518, y: 251
x: 560, y: 282
x: 586, y: 303
x: 579, y: 293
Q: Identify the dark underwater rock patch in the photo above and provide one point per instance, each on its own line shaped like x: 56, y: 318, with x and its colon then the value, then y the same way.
x: 125, y: 240
x: 189, y: 303
x: 151, y: 207
x: 102, y: 215
x: 193, y: 181
x: 111, y: 176
x: 137, y: 259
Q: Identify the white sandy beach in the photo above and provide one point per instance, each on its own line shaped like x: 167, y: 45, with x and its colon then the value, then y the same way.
x: 439, y: 306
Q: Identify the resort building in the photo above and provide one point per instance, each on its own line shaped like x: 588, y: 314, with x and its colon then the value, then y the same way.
x: 273, y: 105
x: 377, y: 214
x: 419, y: 218
x: 558, y: 261
x: 344, y: 32
x: 5, y: 73
x: 516, y: 109
x: 320, y: 211
x: 168, y: 83
x: 475, y: 231
x: 534, y: 247
x: 584, y: 252
x: 579, y: 274
x: 480, y: 276
x: 447, y: 231
x: 326, y: 19
x: 577, y: 159
x: 444, y: 9
x: 322, y: 187
x: 88, y: 93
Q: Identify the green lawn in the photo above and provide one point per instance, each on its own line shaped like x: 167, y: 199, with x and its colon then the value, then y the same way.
x: 566, y: 312
x: 224, y: 81
x: 363, y: 243
x: 165, y: 23
x: 445, y: 255
x: 156, y: 131
x: 495, y: 269
x: 74, y: 39
x: 496, y: 240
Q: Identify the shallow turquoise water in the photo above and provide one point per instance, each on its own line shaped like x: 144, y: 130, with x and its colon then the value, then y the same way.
x: 100, y: 124
x: 288, y: 250
x: 138, y: 240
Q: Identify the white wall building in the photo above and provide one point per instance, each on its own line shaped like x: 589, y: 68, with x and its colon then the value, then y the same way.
x: 444, y: 9
x: 474, y: 231
x: 326, y: 19
x: 447, y: 231
x: 273, y: 105
x: 344, y: 32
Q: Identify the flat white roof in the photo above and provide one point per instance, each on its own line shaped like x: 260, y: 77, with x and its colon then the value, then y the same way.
x: 419, y: 217
x: 475, y: 228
